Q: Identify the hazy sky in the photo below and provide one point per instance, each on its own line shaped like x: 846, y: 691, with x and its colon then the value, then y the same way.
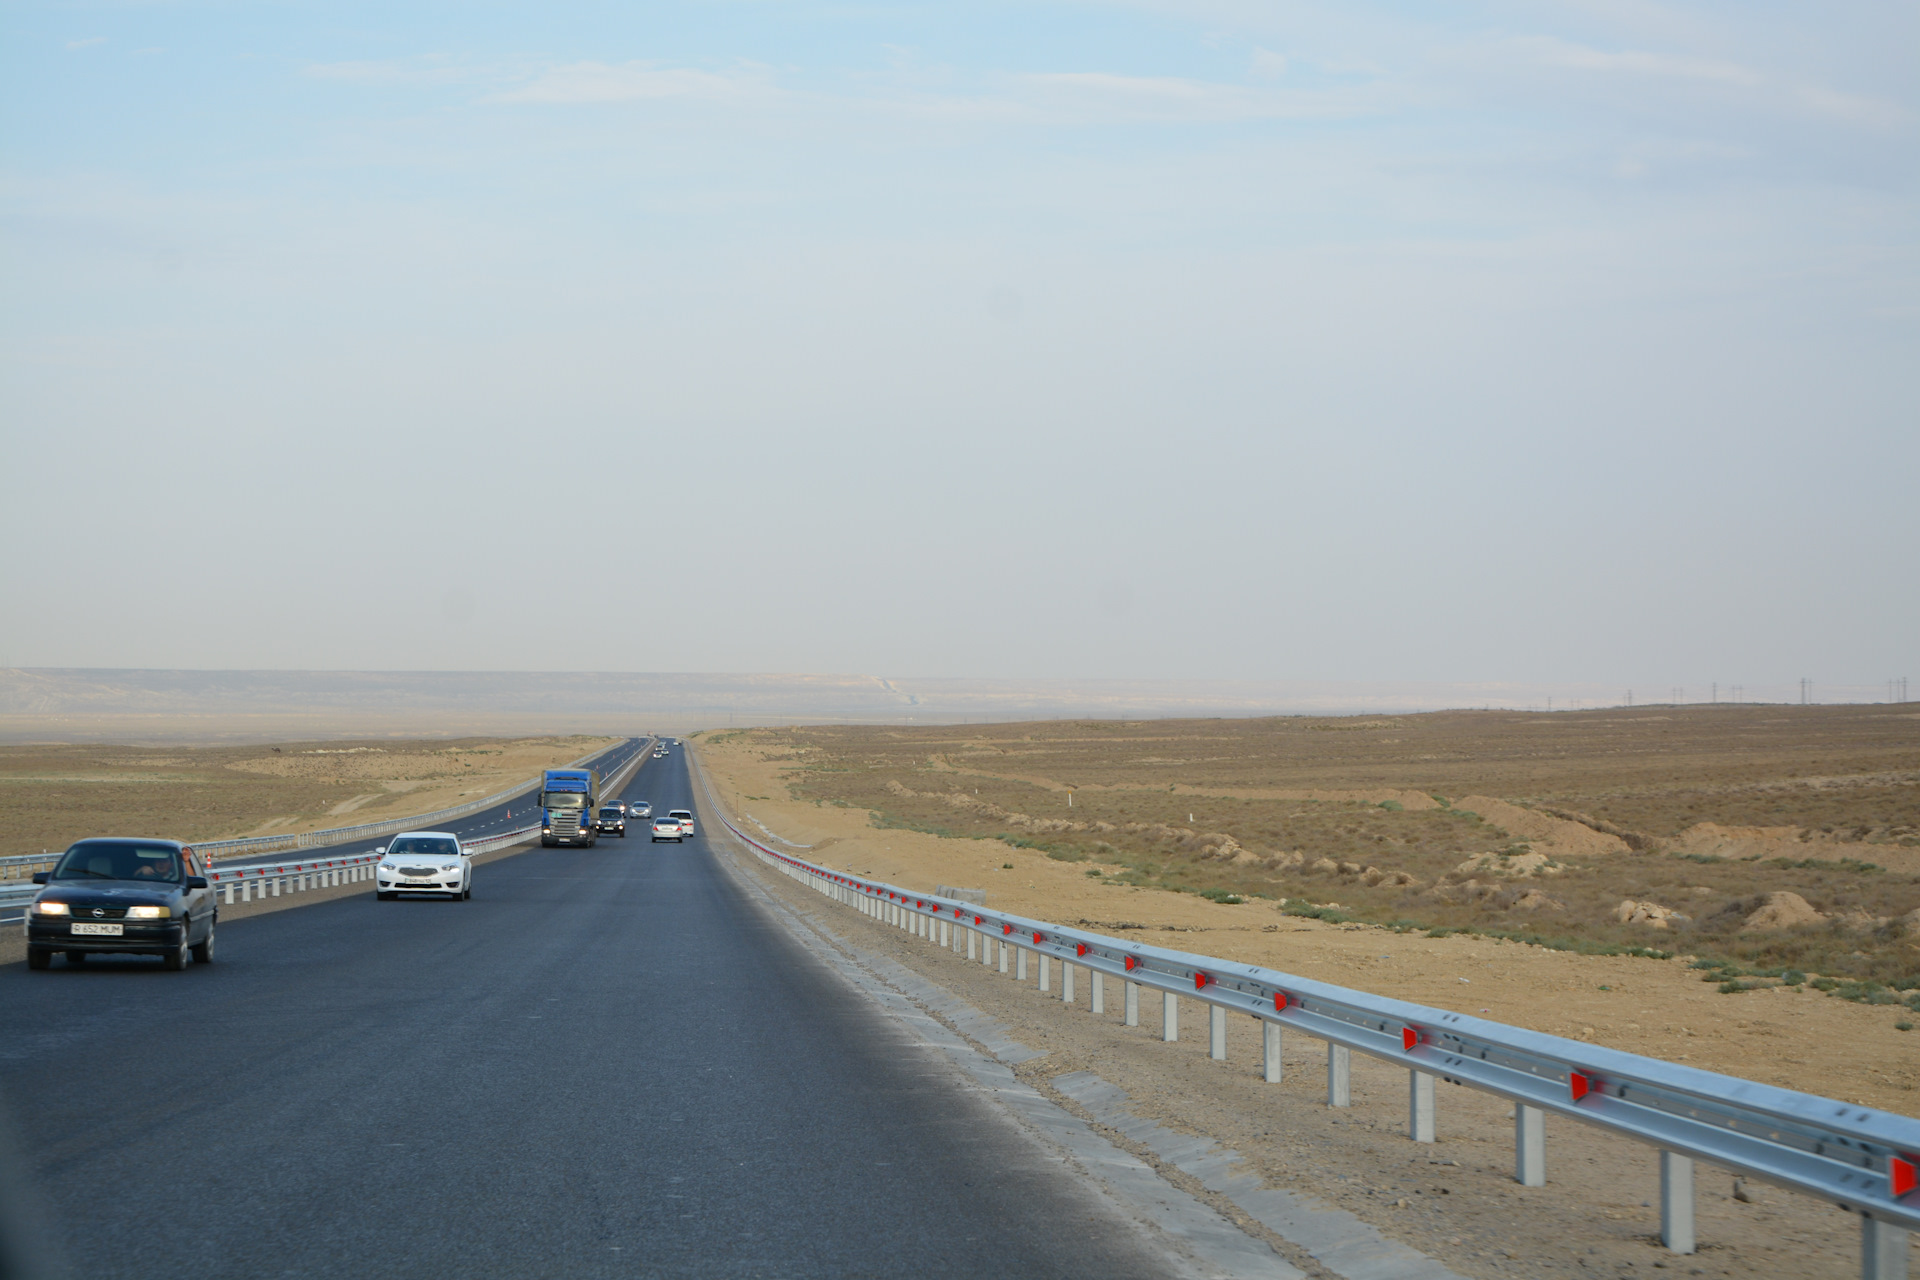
x: 1494, y: 341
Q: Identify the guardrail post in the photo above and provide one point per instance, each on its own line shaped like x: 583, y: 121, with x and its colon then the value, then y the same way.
x: 1019, y: 964
x: 1099, y: 992
x: 1419, y: 1106
x: 276, y: 886
x: 1339, y: 1075
x: 1003, y: 956
x: 1216, y: 1033
x: 1530, y: 1150
x: 946, y: 934
x: 1066, y: 983
x: 1270, y: 1051
x: 1169, y: 1016
x: 1046, y: 973
x: 1676, y: 1203
x: 987, y: 944
x: 1883, y: 1250
x: 228, y: 899
x: 973, y: 944
x: 1133, y: 1004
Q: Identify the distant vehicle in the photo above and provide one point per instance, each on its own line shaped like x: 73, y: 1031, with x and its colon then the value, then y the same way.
x: 612, y: 818
x: 567, y: 801
x: 425, y: 862
x: 133, y: 896
x: 640, y: 809
x: 686, y: 819
x: 668, y: 828
x: 659, y: 753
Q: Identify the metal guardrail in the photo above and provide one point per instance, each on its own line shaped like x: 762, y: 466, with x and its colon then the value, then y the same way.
x: 1862, y: 1160
x: 243, y: 882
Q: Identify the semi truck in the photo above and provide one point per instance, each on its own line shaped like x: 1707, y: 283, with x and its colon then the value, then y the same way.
x: 567, y: 801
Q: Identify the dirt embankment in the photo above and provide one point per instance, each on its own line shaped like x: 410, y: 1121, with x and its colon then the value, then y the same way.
x: 1792, y: 1037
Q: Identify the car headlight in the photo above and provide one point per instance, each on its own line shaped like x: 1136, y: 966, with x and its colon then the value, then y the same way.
x: 148, y: 913
x: 51, y: 909
x: 387, y: 868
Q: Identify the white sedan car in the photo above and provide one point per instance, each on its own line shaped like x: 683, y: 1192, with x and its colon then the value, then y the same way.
x: 686, y: 819
x: 669, y: 828
x: 425, y: 862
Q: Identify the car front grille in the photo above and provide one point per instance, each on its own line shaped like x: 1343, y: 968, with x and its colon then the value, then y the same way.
x: 99, y: 913
x: 419, y: 871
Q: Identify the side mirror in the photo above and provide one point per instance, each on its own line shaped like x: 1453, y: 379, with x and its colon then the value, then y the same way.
x: 381, y: 852
x: 40, y: 877
x: 196, y: 882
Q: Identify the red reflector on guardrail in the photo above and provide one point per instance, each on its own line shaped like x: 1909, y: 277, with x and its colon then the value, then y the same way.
x: 1900, y: 1177
x: 1580, y: 1085
x: 1132, y: 961
x: 1006, y: 928
x: 1200, y: 981
x: 1279, y: 1001
x: 1080, y: 948
x: 979, y: 920
x: 1409, y: 1038
x: 1038, y: 936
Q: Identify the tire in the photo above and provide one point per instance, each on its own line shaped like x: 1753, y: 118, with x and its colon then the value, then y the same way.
x: 466, y: 894
x: 380, y: 895
x: 38, y: 959
x: 176, y: 960
x: 76, y: 957
x: 203, y: 949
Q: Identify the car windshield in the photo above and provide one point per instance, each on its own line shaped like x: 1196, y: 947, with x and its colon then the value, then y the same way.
x: 433, y: 845
x: 610, y: 813
x: 119, y: 860
x: 564, y: 800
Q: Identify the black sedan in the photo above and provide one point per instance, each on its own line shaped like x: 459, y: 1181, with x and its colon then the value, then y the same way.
x: 614, y: 819
x: 134, y: 897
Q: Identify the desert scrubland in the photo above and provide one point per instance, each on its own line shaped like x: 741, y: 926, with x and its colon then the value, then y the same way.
x: 1733, y: 886
x: 51, y: 795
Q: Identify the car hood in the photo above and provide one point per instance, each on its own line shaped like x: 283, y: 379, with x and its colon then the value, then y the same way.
x: 116, y: 893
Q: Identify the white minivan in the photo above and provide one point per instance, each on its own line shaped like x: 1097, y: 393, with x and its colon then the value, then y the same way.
x: 424, y: 862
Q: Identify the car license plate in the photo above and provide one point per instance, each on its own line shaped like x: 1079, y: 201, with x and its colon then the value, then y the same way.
x: 419, y: 882
x: 107, y: 930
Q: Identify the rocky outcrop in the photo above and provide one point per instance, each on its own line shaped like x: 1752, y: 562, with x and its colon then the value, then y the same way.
x: 1650, y: 914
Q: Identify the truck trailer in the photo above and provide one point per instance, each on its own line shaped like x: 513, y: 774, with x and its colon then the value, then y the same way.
x: 567, y: 801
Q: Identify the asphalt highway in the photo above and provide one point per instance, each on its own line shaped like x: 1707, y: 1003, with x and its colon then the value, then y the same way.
x: 610, y: 1062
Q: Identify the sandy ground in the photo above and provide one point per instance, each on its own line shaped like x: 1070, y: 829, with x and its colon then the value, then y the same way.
x: 1796, y: 1039
x: 1456, y: 1199
x: 51, y: 795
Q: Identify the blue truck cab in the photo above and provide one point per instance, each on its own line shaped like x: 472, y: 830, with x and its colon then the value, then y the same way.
x: 567, y: 801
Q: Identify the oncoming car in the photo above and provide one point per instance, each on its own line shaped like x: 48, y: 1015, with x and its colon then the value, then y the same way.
x: 137, y: 897
x: 668, y: 828
x: 612, y: 818
x: 640, y: 809
x: 424, y: 862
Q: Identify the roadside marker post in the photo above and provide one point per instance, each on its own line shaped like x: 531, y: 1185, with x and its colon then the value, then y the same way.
x: 1217, y: 1032
x: 1133, y: 1004
x: 1169, y: 1016
x: 1270, y: 1046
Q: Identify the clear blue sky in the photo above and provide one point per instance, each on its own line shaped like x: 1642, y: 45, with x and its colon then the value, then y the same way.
x: 1501, y: 341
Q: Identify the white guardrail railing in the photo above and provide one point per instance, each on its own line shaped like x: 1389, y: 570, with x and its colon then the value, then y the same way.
x: 1860, y: 1159
x: 251, y: 880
